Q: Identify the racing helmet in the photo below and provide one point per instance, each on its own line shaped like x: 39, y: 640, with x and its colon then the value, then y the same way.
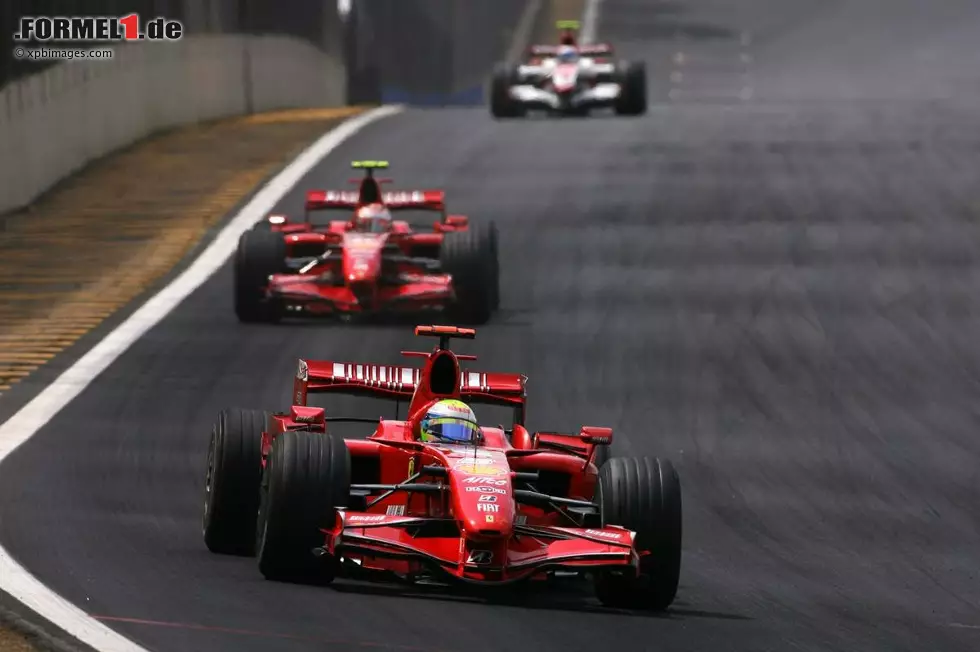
x: 450, y: 422
x: 372, y: 218
x: 567, y: 54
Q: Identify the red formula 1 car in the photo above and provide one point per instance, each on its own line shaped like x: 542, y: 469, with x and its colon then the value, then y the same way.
x: 505, y: 507
x: 368, y: 263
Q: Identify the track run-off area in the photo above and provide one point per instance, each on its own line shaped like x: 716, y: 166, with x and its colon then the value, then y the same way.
x: 771, y: 279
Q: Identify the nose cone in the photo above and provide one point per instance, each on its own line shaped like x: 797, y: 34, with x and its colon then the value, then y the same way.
x: 483, y: 500
x: 361, y: 269
x: 487, y: 516
x: 489, y: 526
x: 361, y: 275
x: 362, y: 265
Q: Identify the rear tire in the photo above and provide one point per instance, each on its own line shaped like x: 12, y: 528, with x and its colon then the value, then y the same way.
x: 502, y: 105
x: 644, y: 495
x: 260, y: 254
x: 231, y: 484
x: 471, y: 259
x: 633, y: 82
x: 307, y: 475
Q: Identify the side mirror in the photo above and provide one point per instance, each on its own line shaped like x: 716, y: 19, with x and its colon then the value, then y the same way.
x: 521, y: 439
x: 596, y: 436
x: 457, y: 221
x: 278, y: 219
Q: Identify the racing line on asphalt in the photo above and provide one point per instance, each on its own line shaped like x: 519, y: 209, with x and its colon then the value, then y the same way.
x: 779, y: 294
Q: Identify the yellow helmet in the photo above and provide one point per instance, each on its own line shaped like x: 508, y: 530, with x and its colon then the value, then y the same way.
x: 450, y: 421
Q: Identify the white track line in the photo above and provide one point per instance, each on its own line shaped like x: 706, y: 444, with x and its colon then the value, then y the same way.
x: 590, y: 22
x: 14, y: 578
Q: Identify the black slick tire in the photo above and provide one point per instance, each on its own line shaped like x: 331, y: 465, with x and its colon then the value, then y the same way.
x: 260, y: 253
x: 495, y: 274
x: 306, y: 477
x: 644, y: 495
x: 234, y: 469
x: 502, y: 105
x: 471, y: 258
x: 633, y: 81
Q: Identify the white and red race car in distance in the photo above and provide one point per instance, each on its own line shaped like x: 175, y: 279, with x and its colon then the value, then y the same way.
x: 568, y: 79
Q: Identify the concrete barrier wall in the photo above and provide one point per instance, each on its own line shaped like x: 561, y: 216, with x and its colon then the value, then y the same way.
x: 287, y: 73
x: 414, y: 51
x: 54, y: 122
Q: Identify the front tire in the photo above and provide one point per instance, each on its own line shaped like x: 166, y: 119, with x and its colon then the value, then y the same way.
x: 495, y: 273
x: 644, y: 495
x: 231, y: 485
x: 260, y: 254
x: 633, y: 82
x: 502, y: 105
x: 469, y: 256
x: 307, y: 476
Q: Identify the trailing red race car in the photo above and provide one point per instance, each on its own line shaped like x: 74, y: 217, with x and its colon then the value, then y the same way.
x: 368, y: 263
x: 437, y: 497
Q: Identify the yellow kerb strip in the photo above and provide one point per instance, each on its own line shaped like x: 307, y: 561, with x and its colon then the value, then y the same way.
x: 11, y: 641
x: 109, y: 233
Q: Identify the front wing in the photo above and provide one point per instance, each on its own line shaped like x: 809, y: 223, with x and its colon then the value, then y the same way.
x: 598, y: 96
x: 306, y: 295
x: 406, y: 545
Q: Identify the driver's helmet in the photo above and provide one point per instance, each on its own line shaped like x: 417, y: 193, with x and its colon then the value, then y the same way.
x: 450, y: 422
x: 372, y: 218
x: 567, y: 54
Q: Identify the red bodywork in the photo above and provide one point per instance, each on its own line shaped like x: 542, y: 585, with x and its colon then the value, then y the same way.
x: 564, y: 78
x: 336, y: 269
x: 475, y: 522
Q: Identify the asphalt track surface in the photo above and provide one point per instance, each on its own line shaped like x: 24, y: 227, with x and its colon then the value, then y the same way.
x: 780, y: 295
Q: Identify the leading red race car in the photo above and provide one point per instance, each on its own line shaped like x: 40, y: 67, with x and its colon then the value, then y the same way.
x: 368, y: 263
x: 502, y: 507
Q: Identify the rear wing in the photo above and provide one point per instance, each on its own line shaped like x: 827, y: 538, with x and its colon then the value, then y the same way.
x: 595, y: 50
x: 426, y: 200
x: 398, y: 383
